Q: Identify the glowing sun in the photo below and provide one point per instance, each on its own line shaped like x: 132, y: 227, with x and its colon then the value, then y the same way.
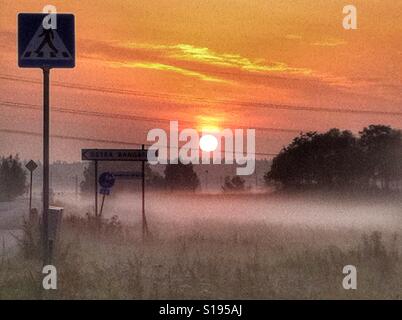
x: 208, y: 143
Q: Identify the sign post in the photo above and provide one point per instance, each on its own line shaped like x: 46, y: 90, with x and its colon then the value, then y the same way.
x: 31, y: 166
x: 46, y: 45
x: 106, y: 181
x: 106, y: 178
x: 144, y: 219
x: 45, y: 192
x: 96, y: 187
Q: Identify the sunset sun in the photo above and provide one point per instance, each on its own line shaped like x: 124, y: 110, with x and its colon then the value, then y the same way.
x: 208, y: 143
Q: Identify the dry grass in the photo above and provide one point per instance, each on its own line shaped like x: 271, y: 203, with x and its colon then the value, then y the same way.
x: 208, y: 261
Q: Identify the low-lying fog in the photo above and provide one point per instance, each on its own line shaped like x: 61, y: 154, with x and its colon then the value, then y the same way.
x: 317, y: 220
x: 309, y: 212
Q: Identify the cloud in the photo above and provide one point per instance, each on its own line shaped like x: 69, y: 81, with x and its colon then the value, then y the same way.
x: 207, y: 65
x: 165, y: 67
x: 187, y: 52
x: 187, y: 60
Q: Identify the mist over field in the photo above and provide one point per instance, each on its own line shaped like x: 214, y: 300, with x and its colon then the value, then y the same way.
x: 212, y: 246
x: 309, y: 211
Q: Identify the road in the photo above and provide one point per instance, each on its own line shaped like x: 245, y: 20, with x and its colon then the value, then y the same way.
x: 11, y: 217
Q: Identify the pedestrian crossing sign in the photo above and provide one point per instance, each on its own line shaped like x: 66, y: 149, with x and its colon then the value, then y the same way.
x: 46, y: 46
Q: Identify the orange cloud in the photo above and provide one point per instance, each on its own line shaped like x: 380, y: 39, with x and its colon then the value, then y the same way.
x: 166, y: 67
x: 188, y: 52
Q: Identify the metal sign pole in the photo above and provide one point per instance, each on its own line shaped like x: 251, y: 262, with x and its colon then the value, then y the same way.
x: 30, y: 195
x: 33, y: 53
x: 46, y: 118
x: 101, y: 209
x: 76, y: 187
x: 144, y: 220
x: 96, y: 187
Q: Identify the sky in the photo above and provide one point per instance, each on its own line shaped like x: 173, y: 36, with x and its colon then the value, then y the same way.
x: 278, y: 66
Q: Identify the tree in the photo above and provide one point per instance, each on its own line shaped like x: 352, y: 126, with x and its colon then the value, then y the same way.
x: 337, y: 159
x: 331, y: 159
x: 181, y: 177
x: 382, y: 148
x: 12, y: 178
x: 234, y: 184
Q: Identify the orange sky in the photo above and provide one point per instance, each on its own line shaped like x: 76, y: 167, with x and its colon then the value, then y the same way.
x: 216, y: 62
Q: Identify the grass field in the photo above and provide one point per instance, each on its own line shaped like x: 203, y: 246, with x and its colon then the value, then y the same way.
x: 207, y: 259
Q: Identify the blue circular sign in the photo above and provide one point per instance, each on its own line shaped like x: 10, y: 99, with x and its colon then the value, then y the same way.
x: 106, y: 180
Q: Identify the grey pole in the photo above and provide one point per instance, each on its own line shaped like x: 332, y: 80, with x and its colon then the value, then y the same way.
x: 96, y: 188
x: 101, y: 209
x: 30, y: 196
x: 206, y: 180
x: 76, y: 187
x: 46, y: 131
x: 144, y: 220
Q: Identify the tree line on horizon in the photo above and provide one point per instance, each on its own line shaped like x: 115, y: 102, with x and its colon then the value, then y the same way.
x: 337, y: 159
x: 334, y: 160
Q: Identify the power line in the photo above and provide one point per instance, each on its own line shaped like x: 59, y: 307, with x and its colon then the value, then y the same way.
x: 58, y: 136
x: 128, y: 117
x: 92, y: 88
x: 118, y: 142
x: 203, y: 100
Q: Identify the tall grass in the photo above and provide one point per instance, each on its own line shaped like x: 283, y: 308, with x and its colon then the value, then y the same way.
x: 206, y: 261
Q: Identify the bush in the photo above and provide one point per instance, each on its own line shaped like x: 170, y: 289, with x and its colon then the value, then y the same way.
x: 12, y: 178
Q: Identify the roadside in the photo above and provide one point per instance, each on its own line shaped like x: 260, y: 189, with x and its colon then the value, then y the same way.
x: 11, y: 217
